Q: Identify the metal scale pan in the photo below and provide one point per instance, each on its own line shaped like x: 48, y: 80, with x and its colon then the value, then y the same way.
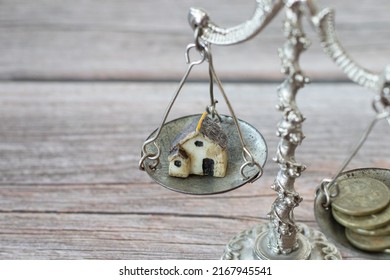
x: 206, y: 185
x: 331, y: 228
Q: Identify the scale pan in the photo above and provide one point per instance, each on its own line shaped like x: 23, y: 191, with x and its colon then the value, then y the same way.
x: 335, y: 231
x: 205, y: 185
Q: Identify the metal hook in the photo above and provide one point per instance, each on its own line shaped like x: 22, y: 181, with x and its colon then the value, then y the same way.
x: 245, y: 153
x: 187, y: 55
x: 380, y: 104
x: 197, y: 37
x: 251, y: 164
x: 325, y: 189
x: 151, y: 156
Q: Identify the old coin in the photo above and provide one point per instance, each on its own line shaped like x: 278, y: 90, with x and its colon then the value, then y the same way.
x: 374, y: 232
x: 361, y: 196
x: 368, y: 243
x: 373, y: 221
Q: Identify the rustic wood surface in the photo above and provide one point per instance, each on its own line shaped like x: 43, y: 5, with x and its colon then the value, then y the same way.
x: 83, y: 83
x: 143, y: 40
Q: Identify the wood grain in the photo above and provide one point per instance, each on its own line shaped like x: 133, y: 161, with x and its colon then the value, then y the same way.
x: 92, y: 133
x: 70, y: 187
x: 144, y: 40
x: 83, y: 83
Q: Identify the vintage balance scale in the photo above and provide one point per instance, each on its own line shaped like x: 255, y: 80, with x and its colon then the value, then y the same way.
x: 167, y: 157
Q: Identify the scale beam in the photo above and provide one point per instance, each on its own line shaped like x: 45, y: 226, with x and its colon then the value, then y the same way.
x: 214, y: 34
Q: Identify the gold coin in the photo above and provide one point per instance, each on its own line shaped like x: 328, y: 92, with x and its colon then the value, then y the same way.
x: 374, y: 232
x: 373, y: 221
x: 368, y: 243
x: 361, y: 196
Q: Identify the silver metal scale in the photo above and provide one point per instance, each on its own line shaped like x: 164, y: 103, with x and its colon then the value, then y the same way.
x: 281, y: 238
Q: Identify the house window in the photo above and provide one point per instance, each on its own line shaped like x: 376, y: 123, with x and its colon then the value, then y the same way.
x: 199, y: 143
x: 177, y: 163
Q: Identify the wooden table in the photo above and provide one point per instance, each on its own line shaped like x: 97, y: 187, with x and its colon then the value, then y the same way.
x: 83, y: 83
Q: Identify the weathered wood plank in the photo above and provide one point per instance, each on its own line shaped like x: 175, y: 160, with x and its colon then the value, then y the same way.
x: 59, y: 133
x: 75, y: 236
x: 141, y: 199
x: 131, y: 40
x: 70, y: 187
x: 72, y: 236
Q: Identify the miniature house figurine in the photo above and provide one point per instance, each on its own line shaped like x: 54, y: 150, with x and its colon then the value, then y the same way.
x: 200, y: 149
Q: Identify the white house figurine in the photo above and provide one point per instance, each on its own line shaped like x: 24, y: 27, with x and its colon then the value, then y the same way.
x: 200, y: 149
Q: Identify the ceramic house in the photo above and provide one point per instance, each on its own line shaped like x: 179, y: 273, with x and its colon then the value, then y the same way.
x: 200, y: 149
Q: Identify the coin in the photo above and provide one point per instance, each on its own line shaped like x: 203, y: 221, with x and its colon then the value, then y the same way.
x: 361, y: 196
x: 374, y: 232
x: 368, y: 243
x: 373, y: 221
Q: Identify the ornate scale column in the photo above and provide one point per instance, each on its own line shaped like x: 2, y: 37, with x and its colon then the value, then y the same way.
x: 284, y: 236
x: 284, y: 231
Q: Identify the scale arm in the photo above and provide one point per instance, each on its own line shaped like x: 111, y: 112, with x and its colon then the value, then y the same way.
x: 212, y: 33
x: 324, y: 24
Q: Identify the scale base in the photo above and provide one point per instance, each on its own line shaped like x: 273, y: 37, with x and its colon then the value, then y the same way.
x: 251, y: 244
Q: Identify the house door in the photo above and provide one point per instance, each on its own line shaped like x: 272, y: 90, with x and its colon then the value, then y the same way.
x: 208, y: 167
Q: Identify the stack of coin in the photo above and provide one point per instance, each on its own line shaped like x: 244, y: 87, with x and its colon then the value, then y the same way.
x: 363, y: 208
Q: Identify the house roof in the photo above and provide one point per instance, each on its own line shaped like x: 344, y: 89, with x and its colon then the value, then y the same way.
x: 207, y: 127
x: 213, y: 130
x: 177, y: 152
